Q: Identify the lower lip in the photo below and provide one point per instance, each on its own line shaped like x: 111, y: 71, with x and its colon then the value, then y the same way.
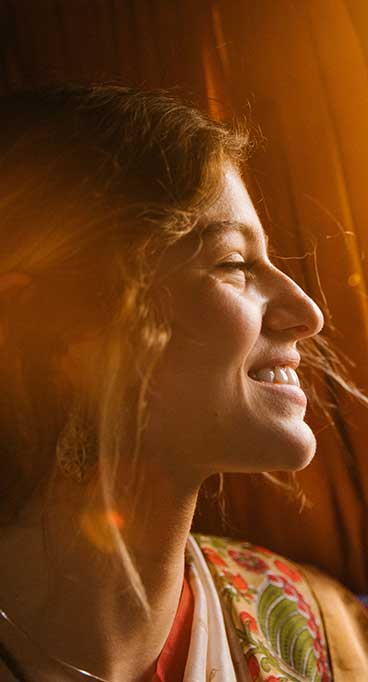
x: 289, y: 391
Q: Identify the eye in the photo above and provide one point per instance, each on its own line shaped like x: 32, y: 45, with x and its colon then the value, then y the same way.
x: 242, y: 266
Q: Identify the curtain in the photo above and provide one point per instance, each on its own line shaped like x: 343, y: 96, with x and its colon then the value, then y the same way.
x: 298, y: 72
x: 301, y: 68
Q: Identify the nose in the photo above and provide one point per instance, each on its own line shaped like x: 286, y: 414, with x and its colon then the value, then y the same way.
x: 289, y: 309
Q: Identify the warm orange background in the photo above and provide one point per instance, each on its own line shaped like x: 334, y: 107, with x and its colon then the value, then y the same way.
x: 298, y: 69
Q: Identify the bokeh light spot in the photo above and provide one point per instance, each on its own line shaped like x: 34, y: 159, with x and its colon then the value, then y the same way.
x: 115, y: 519
x: 98, y: 527
x: 354, y: 279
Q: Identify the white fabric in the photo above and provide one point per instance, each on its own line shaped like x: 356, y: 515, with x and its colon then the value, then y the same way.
x: 209, y: 657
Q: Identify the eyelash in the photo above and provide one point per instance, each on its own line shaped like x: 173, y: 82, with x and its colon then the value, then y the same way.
x: 244, y: 267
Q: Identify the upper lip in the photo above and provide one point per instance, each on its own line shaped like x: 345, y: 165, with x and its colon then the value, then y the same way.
x: 290, y: 359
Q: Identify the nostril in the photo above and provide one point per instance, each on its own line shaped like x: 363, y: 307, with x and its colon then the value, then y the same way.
x: 299, y: 328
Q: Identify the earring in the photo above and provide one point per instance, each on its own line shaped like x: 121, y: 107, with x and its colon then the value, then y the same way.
x: 76, y: 450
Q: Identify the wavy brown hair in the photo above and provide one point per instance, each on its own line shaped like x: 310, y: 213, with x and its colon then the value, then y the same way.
x: 95, y: 183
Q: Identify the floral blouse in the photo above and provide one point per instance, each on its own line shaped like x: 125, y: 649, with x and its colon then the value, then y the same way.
x: 272, y: 620
x: 249, y: 615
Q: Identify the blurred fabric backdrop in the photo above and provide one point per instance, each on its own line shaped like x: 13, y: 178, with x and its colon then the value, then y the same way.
x: 298, y: 70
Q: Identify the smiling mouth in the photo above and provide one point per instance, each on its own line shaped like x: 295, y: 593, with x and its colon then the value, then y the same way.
x: 281, y: 381
x: 276, y: 375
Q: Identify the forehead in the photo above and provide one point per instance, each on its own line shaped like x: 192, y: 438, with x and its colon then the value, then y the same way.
x: 233, y: 211
x: 234, y: 201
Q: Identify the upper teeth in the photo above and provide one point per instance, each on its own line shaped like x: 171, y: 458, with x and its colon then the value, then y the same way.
x: 277, y: 375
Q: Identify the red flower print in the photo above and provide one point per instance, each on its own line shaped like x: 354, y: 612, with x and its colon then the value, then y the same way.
x: 318, y: 648
x: 237, y: 581
x: 258, y: 548
x: 213, y: 557
x: 287, y: 570
x: 249, y: 621
x: 312, y: 625
x: 290, y: 591
x: 303, y: 608
x: 250, y: 561
x: 272, y: 679
x: 320, y: 666
x: 275, y: 580
x: 240, y: 583
x: 254, y: 668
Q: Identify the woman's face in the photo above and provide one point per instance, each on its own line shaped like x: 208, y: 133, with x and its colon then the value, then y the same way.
x: 236, y: 320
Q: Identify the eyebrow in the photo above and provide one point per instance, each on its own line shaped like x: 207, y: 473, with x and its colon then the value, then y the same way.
x: 217, y: 227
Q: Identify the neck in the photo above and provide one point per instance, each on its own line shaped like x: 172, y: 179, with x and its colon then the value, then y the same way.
x: 76, y: 599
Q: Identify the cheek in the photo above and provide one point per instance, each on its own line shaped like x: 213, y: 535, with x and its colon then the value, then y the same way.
x: 214, y: 322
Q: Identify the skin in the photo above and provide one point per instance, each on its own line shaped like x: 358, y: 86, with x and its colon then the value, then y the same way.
x: 223, y: 326
x: 207, y: 415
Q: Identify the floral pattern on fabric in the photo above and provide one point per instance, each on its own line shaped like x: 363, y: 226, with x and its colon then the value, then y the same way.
x: 272, y: 609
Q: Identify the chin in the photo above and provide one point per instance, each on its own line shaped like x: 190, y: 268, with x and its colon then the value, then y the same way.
x: 301, y: 449
x: 290, y: 446
x: 281, y: 450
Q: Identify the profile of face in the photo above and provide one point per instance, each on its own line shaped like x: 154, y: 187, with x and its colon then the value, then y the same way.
x: 226, y: 394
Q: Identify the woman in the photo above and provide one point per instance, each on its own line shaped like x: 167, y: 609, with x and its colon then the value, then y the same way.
x: 147, y: 343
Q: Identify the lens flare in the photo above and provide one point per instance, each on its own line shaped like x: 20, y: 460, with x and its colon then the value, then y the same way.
x: 99, y: 527
x: 354, y: 279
